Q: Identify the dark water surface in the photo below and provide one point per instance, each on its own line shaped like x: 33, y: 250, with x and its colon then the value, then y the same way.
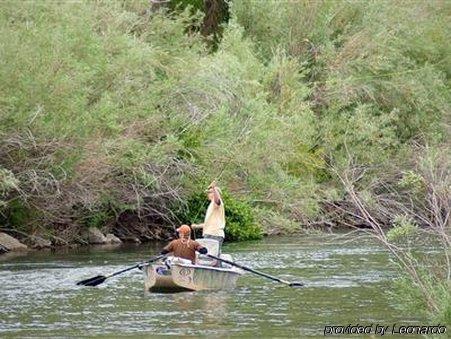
x: 346, y: 282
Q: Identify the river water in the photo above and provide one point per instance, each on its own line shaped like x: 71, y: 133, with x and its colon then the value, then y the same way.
x: 346, y: 282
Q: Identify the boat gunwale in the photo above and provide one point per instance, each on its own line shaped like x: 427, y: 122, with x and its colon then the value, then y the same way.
x: 221, y: 269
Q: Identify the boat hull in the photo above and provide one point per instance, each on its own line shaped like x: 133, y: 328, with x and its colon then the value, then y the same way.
x: 187, y: 277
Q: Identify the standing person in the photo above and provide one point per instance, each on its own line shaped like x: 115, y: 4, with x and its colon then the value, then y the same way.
x: 184, y: 247
x: 214, y: 223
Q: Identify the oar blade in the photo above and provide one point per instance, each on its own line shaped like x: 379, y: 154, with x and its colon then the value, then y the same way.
x: 296, y: 284
x: 92, y: 281
x: 101, y: 278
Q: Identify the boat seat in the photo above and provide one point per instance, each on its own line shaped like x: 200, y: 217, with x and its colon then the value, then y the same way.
x: 212, y: 247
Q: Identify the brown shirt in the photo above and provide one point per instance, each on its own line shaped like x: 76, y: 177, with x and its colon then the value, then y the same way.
x: 185, y: 250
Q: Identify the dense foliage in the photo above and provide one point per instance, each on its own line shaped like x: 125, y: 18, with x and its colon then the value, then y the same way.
x: 114, y: 112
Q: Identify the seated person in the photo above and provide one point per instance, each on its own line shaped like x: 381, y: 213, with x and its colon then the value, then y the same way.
x: 184, y: 247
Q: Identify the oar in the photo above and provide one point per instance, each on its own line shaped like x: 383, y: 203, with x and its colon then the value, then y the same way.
x: 97, y: 280
x: 245, y: 268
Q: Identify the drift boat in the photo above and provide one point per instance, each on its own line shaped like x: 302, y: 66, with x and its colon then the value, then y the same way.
x: 178, y: 275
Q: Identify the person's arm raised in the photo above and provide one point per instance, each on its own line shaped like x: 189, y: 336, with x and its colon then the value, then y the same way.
x: 216, y: 196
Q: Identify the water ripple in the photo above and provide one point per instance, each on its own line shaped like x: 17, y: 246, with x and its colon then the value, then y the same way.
x: 343, y: 282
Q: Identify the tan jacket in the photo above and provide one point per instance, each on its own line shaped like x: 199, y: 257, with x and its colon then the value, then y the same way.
x: 214, y: 222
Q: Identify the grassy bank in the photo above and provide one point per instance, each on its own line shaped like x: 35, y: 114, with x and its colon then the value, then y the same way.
x: 116, y: 115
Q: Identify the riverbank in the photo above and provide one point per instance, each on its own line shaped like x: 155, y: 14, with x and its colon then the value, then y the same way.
x: 94, y: 237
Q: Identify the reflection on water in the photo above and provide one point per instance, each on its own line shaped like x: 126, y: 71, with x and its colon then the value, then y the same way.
x: 345, y: 283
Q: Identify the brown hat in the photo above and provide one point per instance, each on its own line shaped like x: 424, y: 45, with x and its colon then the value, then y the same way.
x: 184, y: 230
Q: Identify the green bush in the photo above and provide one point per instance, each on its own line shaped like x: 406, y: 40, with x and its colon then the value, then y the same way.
x: 19, y: 215
x: 409, y: 297
x: 240, y: 220
x: 413, y: 181
x: 97, y: 218
x: 403, y: 229
x: 378, y: 70
x: 8, y: 182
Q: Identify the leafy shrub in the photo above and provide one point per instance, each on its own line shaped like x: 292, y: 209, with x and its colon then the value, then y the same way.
x: 374, y: 85
x: 240, y: 220
x: 409, y: 297
x: 19, y: 215
x: 8, y: 182
x: 97, y: 218
x: 403, y: 228
x: 412, y: 181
